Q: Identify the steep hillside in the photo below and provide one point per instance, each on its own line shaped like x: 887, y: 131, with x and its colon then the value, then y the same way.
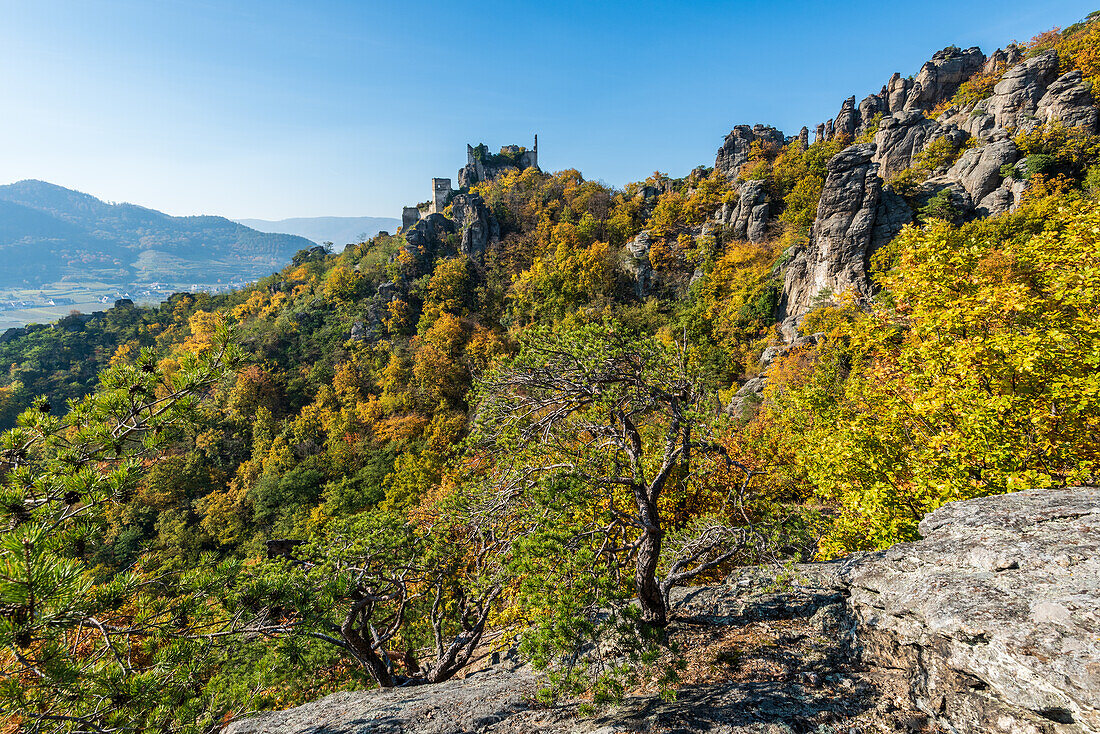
x: 48, y: 233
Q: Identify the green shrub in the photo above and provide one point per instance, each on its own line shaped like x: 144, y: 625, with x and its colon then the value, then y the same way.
x: 1092, y: 180
x: 939, y: 206
x: 1039, y: 163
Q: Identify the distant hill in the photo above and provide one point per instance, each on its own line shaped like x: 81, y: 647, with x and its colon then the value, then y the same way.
x: 338, y: 230
x: 49, y: 233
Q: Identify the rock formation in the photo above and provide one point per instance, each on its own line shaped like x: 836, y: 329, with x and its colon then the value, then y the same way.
x: 835, y: 260
x: 901, y: 137
x: 476, y: 225
x: 858, y: 213
x: 871, y: 106
x: 636, y: 264
x: 1068, y: 101
x: 978, y: 171
x: 940, y: 77
x: 847, y: 120
x: 993, y: 617
x: 748, y: 218
x: 1016, y: 96
x: 734, y: 152
x: 989, y: 624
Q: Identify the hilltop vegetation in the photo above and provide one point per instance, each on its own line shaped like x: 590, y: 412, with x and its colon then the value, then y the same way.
x: 349, y: 472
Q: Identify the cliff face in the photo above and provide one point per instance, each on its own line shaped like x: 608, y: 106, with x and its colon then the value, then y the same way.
x: 989, y: 624
x: 858, y: 211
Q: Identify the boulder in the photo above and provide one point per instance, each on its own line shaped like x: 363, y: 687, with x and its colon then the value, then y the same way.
x: 772, y: 353
x: 747, y: 397
x: 978, y: 123
x: 1001, y: 58
x: 1002, y: 199
x: 1016, y: 96
x: 993, y: 616
x: 1069, y: 101
x: 835, y: 260
x: 358, y: 331
x: 428, y: 240
x: 897, y: 92
x: 978, y: 170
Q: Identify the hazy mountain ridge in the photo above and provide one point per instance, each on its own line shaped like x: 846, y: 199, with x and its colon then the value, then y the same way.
x: 338, y: 230
x: 48, y: 232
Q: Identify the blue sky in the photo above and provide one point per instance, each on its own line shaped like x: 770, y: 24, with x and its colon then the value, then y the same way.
x: 283, y: 109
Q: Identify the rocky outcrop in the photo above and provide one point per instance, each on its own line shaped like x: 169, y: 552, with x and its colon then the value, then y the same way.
x: 636, y: 264
x: 978, y: 171
x: 734, y: 152
x: 900, y: 138
x: 1068, y: 101
x: 1016, y: 96
x: 748, y: 218
x: 847, y: 120
x: 897, y: 92
x: 940, y: 77
x: 858, y: 212
x: 778, y: 658
x: 871, y: 106
x: 993, y: 616
x: 987, y: 625
x: 475, y: 224
x: 428, y: 240
x: 747, y: 397
x: 835, y: 260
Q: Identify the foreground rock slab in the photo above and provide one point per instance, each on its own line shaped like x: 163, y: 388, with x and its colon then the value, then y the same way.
x: 994, y: 618
x: 989, y: 624
x: 759, y: 658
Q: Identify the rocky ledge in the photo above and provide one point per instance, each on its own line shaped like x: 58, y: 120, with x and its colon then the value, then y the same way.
x: 994, y: 617
x: 991, y: 623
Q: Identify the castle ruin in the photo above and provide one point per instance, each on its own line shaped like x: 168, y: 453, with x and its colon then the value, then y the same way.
x: 481, y: 165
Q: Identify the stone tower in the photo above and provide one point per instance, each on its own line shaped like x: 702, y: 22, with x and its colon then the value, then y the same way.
x: 441, y: 191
